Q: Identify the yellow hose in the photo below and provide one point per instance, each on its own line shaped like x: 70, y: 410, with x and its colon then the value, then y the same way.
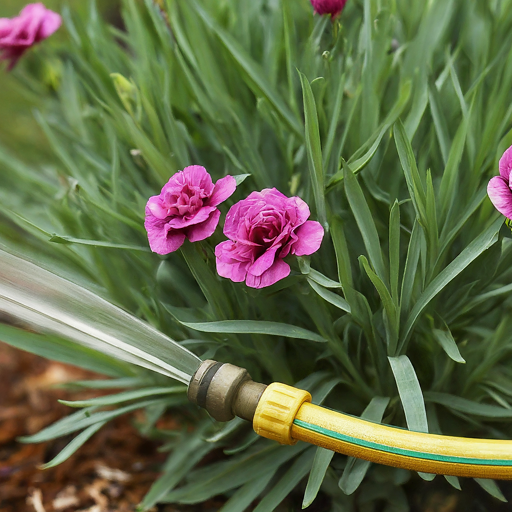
x: 285, y: 414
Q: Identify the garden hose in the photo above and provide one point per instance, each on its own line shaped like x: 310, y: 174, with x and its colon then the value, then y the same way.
x: 285, y: 414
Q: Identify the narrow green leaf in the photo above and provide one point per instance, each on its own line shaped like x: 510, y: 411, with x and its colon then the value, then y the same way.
x: 321, y: 462
x: 252, y: 71
x: 411, y: 266
x: 492, y: 488
x: 240, y: 178
x: 256, y: 327
x: 287, y: 483
x: 480, y: 244
x: 60, y: 239
x: 74, y: 445
x: 412, y: 176
x: 410, y: 393
x: 314, y: 149
x: 445, y: 339
x: 394, y: 251
x: 453, y: 481
x: 83, y: 419
x: 125, y: 396
x: 468, y: 406
x: 331, y: 297
x: 365, y: 222
x: 244, y: 497
x: 322, y: 280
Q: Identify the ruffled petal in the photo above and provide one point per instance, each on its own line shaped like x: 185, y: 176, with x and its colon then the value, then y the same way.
x: 201, y: 216
x: 162, y: 240
x: 279, y: 270
x: 264, y: 262
x: 501, y: 196
x: 310, y: 236
x: 224, y: 188
x: 231, y: 263
x: 506, y: 164
x: 204, y: 230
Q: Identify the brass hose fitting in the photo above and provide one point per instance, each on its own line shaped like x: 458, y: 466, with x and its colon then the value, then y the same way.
x: 225, y: 391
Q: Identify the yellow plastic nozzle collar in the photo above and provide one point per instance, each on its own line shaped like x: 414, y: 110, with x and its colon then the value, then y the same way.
x: 276, y: 412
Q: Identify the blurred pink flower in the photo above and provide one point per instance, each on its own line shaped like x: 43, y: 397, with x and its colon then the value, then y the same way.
x: 34, y: 23
x: 263, y: 229
x: 332, y: 7
x: 500, y: 187
x: 186, y: 208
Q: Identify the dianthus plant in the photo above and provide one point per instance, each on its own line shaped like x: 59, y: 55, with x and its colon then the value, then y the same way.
x: 302, y: 195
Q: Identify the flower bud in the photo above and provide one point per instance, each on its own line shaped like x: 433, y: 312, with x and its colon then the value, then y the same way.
x: 332, y: 7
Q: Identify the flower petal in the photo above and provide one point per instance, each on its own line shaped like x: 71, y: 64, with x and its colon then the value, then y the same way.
x: 224, y: 188
x: 230, y: 263
x: 506, y: 164
x: 204, y: 230
x: 264, y: 262
x: 501, y: 196
x: 51, y: 23
x: 201, y: 216
x: 162, y: 240
x: 310, y: 236
x: 279, y: 270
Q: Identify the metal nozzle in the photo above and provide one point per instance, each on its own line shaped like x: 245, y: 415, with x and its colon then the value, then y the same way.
x: 225, y: 391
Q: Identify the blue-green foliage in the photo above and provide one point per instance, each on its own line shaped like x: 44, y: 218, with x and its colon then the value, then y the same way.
x: 388, y: 122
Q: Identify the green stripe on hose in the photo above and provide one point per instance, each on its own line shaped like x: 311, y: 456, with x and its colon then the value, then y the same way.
x: 401, y: 451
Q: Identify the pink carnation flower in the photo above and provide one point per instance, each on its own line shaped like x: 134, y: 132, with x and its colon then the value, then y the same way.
x: 332, y: 7
x: 263, y: 229
x: 500, y: 187
x: 34, y: 23
x: 186, y: 208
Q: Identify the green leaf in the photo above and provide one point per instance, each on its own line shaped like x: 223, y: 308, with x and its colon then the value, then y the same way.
x: 394, y: 251
x: 365, y: 222
x: 245, y: 496
x: 492, y: 488
x: 314, y: 150
x: 252, y: 71
x: 255, y: 327
x: 466, y: 406
x: 125, y: 397
x: 445, y: 339
x: 59, y: 239
x: 453, y: 481
x: 410, y: 393
x: 392, y: 315
x: 240, y: 178
x: 331, y: 297
x: 412, y: 176
x: 287, y: 483
x: 74, y: 445
x: 221, y: 477
x: 321, y: 462
x: 322, y: 280
x: 480, y: 244
x: 83, y: 419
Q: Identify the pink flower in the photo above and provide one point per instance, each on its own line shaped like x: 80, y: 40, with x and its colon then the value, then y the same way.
x: 34, y: 23
x: 332, y: 7
x: 186, y: 208
x: 499, y: 188
x: 263, y: 229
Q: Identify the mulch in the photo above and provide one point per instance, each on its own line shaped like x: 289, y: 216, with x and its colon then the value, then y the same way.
x: 110, y: 473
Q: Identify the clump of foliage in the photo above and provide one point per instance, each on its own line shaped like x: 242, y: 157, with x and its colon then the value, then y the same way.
x: 389, y: 121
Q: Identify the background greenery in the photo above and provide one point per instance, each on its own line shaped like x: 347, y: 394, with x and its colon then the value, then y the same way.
x: 388, y: 123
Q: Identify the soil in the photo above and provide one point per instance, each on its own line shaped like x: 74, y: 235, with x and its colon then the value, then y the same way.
x: 110, y: 473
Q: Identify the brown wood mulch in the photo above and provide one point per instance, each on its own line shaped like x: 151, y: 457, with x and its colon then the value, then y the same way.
x: 110, y: 473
